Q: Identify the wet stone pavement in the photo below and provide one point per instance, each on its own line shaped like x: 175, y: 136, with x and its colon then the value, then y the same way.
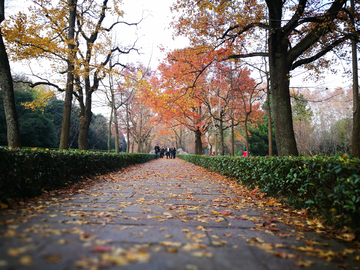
x: 166, y: 214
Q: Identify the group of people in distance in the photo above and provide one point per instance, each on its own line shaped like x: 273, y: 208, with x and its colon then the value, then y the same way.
x: 170, y: 152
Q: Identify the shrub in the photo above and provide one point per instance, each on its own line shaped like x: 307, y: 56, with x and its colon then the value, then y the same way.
x: 26, y: 173
x: 325, y: 185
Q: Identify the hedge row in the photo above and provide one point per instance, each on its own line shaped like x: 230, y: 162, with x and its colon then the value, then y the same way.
x: 329, y: 186
x: 26, y: 173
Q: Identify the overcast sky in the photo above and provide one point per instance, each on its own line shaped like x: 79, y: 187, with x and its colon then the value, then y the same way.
x: 154, y: 30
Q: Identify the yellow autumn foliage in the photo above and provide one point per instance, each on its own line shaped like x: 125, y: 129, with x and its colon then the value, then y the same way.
x: 44, y: 95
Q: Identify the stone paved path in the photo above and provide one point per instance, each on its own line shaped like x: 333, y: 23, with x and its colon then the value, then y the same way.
x: 165, y: 214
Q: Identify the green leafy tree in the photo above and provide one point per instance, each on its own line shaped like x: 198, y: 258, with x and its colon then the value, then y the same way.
x: 98, y: 133
x: 300, y: 109
x: 36, y: 128
x: 259, y: 140
x: 56, y: 108
x: 342, y: 135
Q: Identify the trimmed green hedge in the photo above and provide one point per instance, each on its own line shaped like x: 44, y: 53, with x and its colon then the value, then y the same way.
x: 329, y: 186
x: 26, y: 173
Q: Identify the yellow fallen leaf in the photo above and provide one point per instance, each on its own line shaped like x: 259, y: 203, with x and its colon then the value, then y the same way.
x: 306, y: 263
x: 191, y: 267
x: 10, y: 233
x: 61, y: 241
x: 3, y: 205
x: 255, y: 239
x: 117, y: 260
x: 201, y: 254
x: 53, y: 259
x: 14, y: 252
x: 189, y: 247
x: 171, y: 244
x: 26, y: 260
x: 172, y: 250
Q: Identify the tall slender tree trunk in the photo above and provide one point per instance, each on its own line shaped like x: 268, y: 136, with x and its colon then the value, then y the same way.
x: 127, y: 130
x: 140, y: 135
x: 116, y: 123
x: 268, y: 108
x: 355, y: 141
x: 109, y: 128
x: 232, y: 138
x: 7, y: 87
x: 221, y: 131
x: 246, y: 134
x: 181, y: 134
x: 279, y: 74
x: 65, y: 127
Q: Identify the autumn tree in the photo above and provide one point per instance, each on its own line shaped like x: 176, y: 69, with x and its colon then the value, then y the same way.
x: 7, y: 90
x: 248, y: 93
x: 90, y: 48
x: 299, y: 34
x: 177, y: 94
x: 229, y: 97
x: 135, y: 115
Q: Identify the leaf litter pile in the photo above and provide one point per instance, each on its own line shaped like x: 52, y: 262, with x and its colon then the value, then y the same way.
x: 167, y: 214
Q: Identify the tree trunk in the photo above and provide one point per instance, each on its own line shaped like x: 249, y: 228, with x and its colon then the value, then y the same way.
x: 181, y: 133
x: 268, y: 108
x: 109, y: 128
x: 65, y: 127
x: 85, y: 119
x: 355, y: 142
x: 6, y: 84
x: 232, y: 137
x: 116, y: 131
x: 127, y: 130
x: 140, y: 135
x: 198, y: 143
x: 284, y: 132
x: 221, y: 130
x: 246, y: 134
x: 279, y: 75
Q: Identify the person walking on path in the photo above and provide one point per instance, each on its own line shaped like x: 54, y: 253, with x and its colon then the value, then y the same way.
x: 167, y: 152
x: 157, y: 151
x: 173, y: 152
